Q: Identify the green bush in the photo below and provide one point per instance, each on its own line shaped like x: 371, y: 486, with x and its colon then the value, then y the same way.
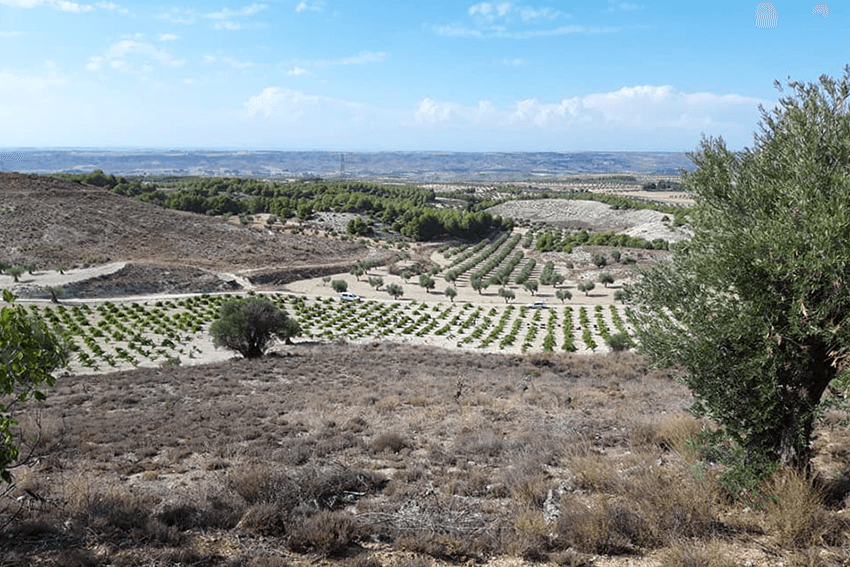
x: 30, y: 351
x: 248, y: 325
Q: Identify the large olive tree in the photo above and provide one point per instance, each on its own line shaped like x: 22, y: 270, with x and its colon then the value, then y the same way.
x: 755, y: 307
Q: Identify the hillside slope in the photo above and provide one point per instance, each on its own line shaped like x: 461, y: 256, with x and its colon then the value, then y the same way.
x: 50, y: 222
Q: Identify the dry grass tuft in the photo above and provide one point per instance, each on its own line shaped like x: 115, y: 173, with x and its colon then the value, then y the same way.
x: 391, y: 442
x: 328, y: 532
x: 794, y: 511
x: 699, y: 554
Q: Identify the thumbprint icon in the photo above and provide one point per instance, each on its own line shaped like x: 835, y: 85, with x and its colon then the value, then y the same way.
x: 766, y: 15
x: 822, y: 9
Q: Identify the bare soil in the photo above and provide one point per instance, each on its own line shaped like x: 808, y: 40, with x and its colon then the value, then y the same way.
x: 641, y: 223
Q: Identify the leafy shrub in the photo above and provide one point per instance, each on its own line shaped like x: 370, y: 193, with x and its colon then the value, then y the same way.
x: 618, y: 342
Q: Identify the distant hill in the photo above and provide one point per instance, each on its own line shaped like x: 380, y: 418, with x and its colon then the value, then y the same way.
x: 411, y: 166
x: 49, y: 222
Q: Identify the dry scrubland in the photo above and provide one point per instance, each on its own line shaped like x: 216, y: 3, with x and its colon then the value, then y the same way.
x: 346, y: 450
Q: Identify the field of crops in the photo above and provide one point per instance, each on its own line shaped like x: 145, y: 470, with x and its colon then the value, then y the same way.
x: 116, y: 335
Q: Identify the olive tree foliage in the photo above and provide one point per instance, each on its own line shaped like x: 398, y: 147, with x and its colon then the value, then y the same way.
x: 755, y: 307
x: 248, y: 326
x: 29, y: 353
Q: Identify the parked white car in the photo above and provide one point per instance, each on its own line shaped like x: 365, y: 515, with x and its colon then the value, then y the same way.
x: 348, y: 296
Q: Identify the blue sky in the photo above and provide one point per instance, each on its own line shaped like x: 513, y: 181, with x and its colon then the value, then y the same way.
x: 377, y: 76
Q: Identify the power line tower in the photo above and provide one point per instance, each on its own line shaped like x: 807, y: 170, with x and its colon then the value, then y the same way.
x: 342, y: 165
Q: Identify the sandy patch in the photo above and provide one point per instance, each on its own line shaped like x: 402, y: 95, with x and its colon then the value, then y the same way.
x: 643, y: 223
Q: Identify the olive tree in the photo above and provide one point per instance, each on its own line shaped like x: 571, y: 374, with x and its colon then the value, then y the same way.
x: 755, y: 307
x: 427, y: 282
x: 395, y: 290
x: 451, y: 293
x: 248, y: 326
x: 563, y: 294
x: 29, y: 353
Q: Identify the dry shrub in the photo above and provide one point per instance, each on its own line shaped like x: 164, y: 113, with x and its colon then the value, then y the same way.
x: 327, y: 532
x: 356, y: 425
x: 674, y: 431
x: 603, y: 526
x: 530, y: 539
x: 528, y: 483
x: 362, y: 560
x: 472, y: 482
x: 571, y: 558
x: 794, y: 510
x: 596, y: 473
x: 263, y: 560
x: 698, y: 554
x: 391, y: 442
x: 106, y: 509
x: 264, y: 518
x: 479, y: 444
x: 258, y: 483
x: 71, y: 558
x: 673, y: 506
x: 441, y: 546
x: 326, y: 487
x: 645, y: 507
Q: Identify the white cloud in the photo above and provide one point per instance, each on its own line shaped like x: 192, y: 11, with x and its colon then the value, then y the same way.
x: 32, y: 84
x: 237, y: 64
x: 111, y: 6
x: 227, y: 13
x: 278, y: 102
x: 118, y: 56
x: 528, y: 14
x: 490, y: 10
x: 515, y: 62
x: 61, y: 5
x: 361, y: 58
x: 317, y: 6
x: 228, y: 25
x: 209, y: 58
x: 8, y: 34
x: 503, y: 32
x: 287, y: 105
x: 168, y: 37
x: 505, y: 20
x: 624, y: 6
x: 642, y: 107
x: 432, y: 111
x: 179, y: 16
x: 297, y: 71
